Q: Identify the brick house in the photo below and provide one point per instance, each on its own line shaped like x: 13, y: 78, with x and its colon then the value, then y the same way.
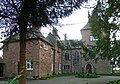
x: 39, y: 56
x: 73, y: 60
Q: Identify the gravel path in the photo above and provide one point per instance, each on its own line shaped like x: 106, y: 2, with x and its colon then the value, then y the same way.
x: 73, y: 80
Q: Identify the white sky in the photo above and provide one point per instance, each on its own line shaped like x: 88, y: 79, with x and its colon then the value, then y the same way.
x: 74, y: 23
x: 71, y: 25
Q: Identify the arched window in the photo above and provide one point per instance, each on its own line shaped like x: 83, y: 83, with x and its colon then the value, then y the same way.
x: 66, y: 56
x: 77, y: 59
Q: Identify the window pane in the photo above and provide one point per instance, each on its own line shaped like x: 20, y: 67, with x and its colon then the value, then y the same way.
x: 92, y: 38
x: 66, y: 56
x: 66, y: 67
x: 29, y: 64
x: 46, y: 46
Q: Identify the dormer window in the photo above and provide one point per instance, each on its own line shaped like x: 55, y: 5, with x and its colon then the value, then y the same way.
x: 46, y: 46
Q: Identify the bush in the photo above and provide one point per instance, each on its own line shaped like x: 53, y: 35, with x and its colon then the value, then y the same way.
x: 118, y: 81
x: 14, y: 80
x: 87, y: 76
x: 114, y: 82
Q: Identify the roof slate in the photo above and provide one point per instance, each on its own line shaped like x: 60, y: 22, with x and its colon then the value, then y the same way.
x: 30, y: 36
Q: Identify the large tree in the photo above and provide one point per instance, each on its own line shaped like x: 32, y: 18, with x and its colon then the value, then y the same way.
x: 19, y: 16
x: 105, y: 25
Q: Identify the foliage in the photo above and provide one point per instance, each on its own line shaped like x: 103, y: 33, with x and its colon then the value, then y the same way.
x: 105, y: 26
x: 14, y: 80
x: 40, y: 12
x: 69, y: 44
x: 87, y: 76
x: 89, y: 51
x: 114, y: 82
x: 21, y: 16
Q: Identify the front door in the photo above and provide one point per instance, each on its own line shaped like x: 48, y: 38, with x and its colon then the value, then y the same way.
x: 89, y: 68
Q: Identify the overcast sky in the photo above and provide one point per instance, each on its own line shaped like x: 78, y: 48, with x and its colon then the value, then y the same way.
x: 74, y: 23
x: 71, y: 25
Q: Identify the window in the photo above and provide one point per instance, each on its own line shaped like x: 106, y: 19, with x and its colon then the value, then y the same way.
x: 46, y: 46
x: 76, y: 58
x: 92, y: 38
x: 29, y: 64
x: 66, y: 56
x: 66, y: 67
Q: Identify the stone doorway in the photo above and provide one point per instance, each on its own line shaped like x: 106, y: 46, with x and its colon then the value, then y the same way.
x: 88, y: 68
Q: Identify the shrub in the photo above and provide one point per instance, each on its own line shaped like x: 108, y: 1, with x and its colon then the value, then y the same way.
x: 14, y: 80
x: 118, y: 81
x: 87, y: 76
x: 114, y: 82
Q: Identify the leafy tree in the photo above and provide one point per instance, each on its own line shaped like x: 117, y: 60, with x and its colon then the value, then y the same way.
x: 88, y: 51
x: 105, y: 24
x: 21, y: 16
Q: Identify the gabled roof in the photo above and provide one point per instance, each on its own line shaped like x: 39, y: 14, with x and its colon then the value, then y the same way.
x: 86, y: 27
x: 32, y: 35
x: 51, y: 39
x: 71, y: 44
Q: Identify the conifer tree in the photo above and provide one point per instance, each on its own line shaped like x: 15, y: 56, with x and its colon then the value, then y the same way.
x: 19, y: 16
x: 105, y: 24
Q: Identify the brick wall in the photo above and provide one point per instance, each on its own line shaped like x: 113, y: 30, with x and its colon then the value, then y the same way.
x: 41, y: 58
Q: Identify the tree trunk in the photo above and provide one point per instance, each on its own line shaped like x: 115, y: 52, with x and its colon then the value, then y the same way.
x: 23, y: 23
x: 22, y: 55
x: 26, y: 10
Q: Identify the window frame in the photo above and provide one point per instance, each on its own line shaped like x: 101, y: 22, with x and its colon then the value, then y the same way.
x: 30, y: 64
x: 67, y: 57
x: 66, y: 67
x: 92, y: 38
x: 77, y: 58
x: 46, y: 46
